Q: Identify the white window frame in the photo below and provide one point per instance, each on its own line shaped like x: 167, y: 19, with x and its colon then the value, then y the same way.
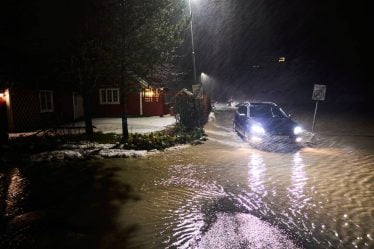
x: 46, y: 109
x: 106, y: 102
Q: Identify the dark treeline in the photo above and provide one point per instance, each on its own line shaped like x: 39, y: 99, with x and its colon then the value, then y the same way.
x: 78, y: 43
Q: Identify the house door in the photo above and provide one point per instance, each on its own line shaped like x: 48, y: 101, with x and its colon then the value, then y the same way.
x: 77, y: 105
x: 152, y: 102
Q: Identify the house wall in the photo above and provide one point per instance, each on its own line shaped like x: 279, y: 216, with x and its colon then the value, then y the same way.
x: 132, y: 105
x: 24, y: 110
x: 78, y: 106
x: 114, y: 110
x: 3, y: 118
x: 154, y: 108
x: 64, y: 109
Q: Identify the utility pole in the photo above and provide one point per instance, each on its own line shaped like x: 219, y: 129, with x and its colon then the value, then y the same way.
x: 123, y: 89
x: 315, y: 115
x: 196, y: 102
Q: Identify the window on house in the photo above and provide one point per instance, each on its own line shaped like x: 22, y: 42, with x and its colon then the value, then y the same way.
x: 109, y: 96
x: 46, y: 101
x: 151, y: 95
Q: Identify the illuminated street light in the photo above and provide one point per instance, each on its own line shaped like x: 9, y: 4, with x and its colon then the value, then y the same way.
x: 282, y: 59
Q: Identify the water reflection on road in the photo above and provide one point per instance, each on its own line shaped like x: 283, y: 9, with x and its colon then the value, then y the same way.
x: 226, y: 194
x: 214, y: 195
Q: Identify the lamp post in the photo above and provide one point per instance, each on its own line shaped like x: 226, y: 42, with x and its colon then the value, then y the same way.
x: 192, y: 43
x: 196, y: 102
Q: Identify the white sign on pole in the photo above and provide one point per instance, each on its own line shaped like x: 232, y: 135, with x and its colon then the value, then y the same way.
x: 319, y: 92
x: 198, y: 91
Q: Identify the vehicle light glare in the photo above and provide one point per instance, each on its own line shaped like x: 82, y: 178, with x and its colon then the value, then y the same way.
x: 257, y: 129
x: 297, y: 130
x: 256, y: 139
x: 299, y: 139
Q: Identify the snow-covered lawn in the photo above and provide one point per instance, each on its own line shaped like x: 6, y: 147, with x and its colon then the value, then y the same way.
x: 136, y: 125
x: 114, y: 125
x: 217, y: 106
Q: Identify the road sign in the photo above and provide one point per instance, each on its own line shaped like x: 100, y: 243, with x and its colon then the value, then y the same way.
x: 319, y: 92
x: 198, y: 91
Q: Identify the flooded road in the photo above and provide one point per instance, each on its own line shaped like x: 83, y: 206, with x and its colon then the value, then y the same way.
x: 222, y: 194
x: 225, y: 194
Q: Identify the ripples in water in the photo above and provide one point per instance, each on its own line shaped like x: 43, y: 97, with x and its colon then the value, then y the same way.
x: 212, y: 196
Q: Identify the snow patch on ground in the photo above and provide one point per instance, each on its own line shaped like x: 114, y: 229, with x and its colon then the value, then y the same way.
x: 57, y: 155
x: 96, y: 151
x: 136, y: 125
x: 223, y: 106
x: 88, y: 146
x: 140, y: 125
x: 111, y: 153
x: 212, y: 117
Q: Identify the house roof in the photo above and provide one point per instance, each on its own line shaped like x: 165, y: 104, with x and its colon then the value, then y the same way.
x: 185, y: 92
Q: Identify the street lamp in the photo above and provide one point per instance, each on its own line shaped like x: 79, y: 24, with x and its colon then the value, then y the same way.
x: 192, y: 43
x: 196, y: 103
x: 207, y: 83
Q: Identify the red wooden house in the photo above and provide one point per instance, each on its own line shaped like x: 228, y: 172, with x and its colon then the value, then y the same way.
x: 141, y: 100
x: 29, y: 109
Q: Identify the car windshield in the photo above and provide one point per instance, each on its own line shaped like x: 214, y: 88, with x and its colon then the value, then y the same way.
x: 266, y: 111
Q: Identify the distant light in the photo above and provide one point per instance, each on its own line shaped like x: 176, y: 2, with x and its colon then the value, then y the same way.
x: 299, y: 139
x: 148, y: 93
x: 282, y: 59
x: 204, y: 78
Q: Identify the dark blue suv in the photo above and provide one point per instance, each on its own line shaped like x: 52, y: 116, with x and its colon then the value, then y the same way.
x: 259, y: 122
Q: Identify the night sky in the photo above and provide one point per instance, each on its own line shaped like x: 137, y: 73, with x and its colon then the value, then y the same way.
x: 237, y: 44
x: 324, y: 42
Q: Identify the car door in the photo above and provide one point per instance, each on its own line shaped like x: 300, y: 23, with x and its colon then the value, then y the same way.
x: 242, y: 119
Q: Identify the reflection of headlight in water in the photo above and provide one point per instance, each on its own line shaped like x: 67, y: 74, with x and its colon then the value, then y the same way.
x: 255, y: 139
x: 297, y: 130
x: 257, y: 129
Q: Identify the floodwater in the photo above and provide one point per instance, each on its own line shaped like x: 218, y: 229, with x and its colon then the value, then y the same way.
x: 222, y: 194
x: 225, y: 194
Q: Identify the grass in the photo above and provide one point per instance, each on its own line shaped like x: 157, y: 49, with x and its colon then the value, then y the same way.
x: 150, y: 141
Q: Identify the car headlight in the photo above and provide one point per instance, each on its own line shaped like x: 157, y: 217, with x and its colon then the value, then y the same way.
x: 257, y: 129
x: 297, y: 130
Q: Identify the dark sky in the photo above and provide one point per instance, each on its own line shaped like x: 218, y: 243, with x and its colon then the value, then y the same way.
x: 237, y: 44
x: 325, y: 42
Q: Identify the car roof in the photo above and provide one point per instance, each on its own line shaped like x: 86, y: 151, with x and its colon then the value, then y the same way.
x: 256, y: 103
